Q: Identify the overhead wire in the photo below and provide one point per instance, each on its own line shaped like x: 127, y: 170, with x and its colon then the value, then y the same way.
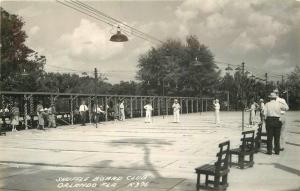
x: 118, y: 21
x: 100, y: 16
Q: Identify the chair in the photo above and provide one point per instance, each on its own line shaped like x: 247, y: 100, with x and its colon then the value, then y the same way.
x: 245, y: 149
x: 219, y: 170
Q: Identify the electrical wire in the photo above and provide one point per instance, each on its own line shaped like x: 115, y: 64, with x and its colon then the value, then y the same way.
x: 100, y: 16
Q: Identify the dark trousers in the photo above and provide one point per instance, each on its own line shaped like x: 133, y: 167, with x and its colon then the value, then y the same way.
x: 83, y: 117
x: 273, y: 127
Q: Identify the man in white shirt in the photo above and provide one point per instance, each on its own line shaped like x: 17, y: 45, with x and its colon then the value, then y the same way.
x: 176, y: 109
x: 98, y: 109
x: 282, y: 119
x: 83, y: 109
x: 148, y: 108
x: 217, y: 111
x: 122, y: 111
x: 272, y: 113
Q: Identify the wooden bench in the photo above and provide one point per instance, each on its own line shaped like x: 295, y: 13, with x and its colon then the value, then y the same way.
x: 219, y: 170
x: 261, y: 138
x: 245, y: 149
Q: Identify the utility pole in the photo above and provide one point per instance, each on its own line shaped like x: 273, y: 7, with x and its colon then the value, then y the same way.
x: 266, y: 78
x: 96, y: 80
x: 227, y: 100
x: 96, y: 101
x: 243, y: 100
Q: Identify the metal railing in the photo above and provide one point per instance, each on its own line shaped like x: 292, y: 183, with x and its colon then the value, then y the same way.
x: 66, y: 103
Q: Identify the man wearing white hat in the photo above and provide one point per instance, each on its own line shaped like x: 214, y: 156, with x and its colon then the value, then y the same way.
x: 272, y: 114
x: 282, y: 119
x: 148, y: 108
x: 176, y: 108
x: 217, y: 111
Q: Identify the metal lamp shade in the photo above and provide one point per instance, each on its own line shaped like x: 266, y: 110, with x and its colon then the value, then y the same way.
x: 24, y: 73
x: 228, y: 68
x: 119, y: 37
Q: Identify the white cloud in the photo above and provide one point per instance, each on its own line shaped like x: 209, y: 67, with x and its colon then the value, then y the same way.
x: 243, y: 43
x: 89, y: 40
x: 268, y: 41
x: 265, y: 24
x: 189, y: 9
x: 223, y: 19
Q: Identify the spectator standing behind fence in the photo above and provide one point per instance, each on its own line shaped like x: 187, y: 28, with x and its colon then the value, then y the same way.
x: 76, y: 115
x: 148, y: 108
x: 261, y: 108
x: 98, y: 110
x: 41, y: 114
x: 252, y: 110
x: 4, y: 112
x: 217, y: 111
x: 282, y: 119
x: 51, y: 116
x: 122, y: 110
x: 15, y: 115
x: 273, y: 125
x: 176, y: 111
x: 83, y: 111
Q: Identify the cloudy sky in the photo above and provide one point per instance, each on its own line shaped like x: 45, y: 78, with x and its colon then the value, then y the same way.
x: 265, y: 34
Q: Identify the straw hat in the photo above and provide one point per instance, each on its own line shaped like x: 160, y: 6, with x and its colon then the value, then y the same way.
x: 272, y: 95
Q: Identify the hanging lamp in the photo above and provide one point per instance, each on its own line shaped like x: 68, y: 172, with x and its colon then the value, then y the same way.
x: 228, y: 68
x: 197, y: 62
x: 24, y: 73
x: 119, y: 37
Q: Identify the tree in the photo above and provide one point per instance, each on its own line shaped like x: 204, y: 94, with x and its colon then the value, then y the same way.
x: 186, y: 70
x: 292, y: 91
x: 16, y: 57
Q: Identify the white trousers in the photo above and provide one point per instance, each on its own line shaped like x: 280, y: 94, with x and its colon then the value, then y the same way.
x: 176, y: 116
x: 148, y: 117
x: 122, y: 115
x: 282, y: 132
x: 217, y: 116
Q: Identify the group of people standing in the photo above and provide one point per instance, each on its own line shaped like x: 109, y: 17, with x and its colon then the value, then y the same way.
x: 274, y: 115
x: 176, y: 111
x: 13, y: 113
x: 116, y: 111
x: 46, y: 115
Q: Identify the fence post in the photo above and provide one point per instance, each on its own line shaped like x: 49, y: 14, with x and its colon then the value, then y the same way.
x: 158, y: 105
x: 187, y: 105
x: 25, y: 112
x: 131, y: 114
x: 31, y: 110
x: 192, y: 105
x: 106, y: 108
x: 71, y: 112
x: 90, y: 109
x: 167, y: 106
x: 141, y: 107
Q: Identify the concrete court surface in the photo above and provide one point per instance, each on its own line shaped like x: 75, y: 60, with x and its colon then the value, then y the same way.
x: 133, y: 155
